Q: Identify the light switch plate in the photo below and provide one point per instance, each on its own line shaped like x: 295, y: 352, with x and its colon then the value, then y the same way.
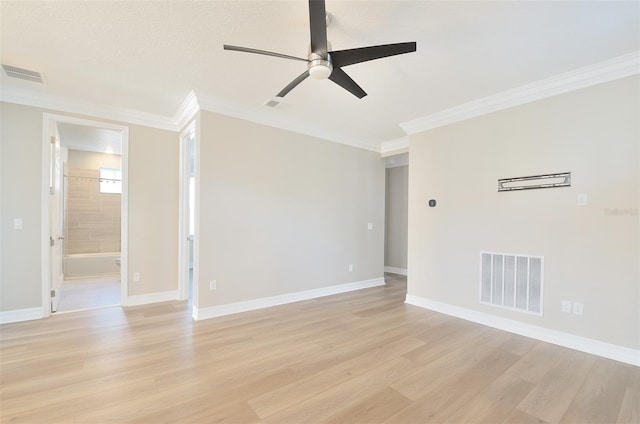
x: 582, y: 199
x: 17, y: 223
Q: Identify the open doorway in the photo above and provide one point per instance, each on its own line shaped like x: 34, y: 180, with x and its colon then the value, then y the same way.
x: 187, y: 216
x: 396, y: 214
x: 87, y: 207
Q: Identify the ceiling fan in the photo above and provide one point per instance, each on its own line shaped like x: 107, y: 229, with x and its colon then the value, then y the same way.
x: 321, y: 63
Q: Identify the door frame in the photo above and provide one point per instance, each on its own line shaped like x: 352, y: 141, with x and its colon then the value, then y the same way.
x: 183, y: 215
x: 49, y: 124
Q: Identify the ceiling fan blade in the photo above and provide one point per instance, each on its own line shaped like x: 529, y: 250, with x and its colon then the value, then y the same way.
x: 263, y: 52
x: 349, y: 57
x: 318, y: 24
x: 343, y: 80
x: 293, y: 84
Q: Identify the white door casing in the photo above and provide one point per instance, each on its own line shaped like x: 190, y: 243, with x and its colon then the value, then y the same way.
x: 56, y: 235
x: 50, y: 225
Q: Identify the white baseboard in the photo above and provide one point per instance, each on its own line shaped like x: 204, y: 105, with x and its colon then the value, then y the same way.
x: 21, y: 315
x: 583, y: 344
x: 394, y: 270
x: 266, y: 302
x: 144, y: 299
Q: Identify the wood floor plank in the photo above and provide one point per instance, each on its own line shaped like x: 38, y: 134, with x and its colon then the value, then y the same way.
x: 359, y: 357
x: 519, y: 417
x: 341, y: 396
x: 557, y: 389
x: 324, y: 379
x: 599, y: 398
x: 630, y: 408
x: 374, y: 409
x: 448, y: 367
x: 495, y: 403
x: 445, y: 399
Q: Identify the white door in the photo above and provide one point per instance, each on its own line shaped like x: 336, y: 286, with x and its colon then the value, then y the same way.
x: 56, y: 225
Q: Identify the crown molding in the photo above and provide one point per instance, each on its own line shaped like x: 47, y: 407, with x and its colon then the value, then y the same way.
x: 608, y: 70
x: 56, y: 103
x: 187, y: 110
x: 395, y: 144
x: 269, y: 117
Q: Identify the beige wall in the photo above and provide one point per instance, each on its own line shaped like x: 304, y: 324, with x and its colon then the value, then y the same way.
x: 21, y: 140
x: 282, y: 212
x: 397, y: 185
x: 591, y: 252
x: 153, y: 207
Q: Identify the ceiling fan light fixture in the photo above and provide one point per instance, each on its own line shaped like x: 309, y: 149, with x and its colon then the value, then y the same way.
x: 319, y: 67
x: 321, y: 70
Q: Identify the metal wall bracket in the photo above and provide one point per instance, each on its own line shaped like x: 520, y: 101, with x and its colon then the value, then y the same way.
x: 562, y: 179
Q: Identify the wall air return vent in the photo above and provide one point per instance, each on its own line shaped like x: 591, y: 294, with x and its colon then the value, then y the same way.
x: 24, y: 74
x: 512, y: 281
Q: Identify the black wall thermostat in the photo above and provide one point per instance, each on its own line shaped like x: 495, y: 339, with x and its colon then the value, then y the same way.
x: 432, y: 203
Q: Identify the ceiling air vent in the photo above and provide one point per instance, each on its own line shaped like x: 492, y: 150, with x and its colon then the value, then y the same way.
x: 275, y: 102
x: 24, y: 74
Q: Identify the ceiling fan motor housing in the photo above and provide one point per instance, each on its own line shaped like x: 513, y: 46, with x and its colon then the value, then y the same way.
x: 319, y: 67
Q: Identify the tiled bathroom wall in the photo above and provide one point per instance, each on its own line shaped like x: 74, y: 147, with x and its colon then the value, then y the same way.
x: 92, y: 218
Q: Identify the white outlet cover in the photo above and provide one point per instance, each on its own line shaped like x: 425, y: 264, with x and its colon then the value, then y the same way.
x: 566, y: 306
x: 213, y: 284
x: 136, y: 276
x: 370, y: 225
x: 577, y: 308
x: 17, y: 224
x: 350, y: 267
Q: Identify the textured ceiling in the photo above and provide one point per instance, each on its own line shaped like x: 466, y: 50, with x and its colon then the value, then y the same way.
x: 149, y: 55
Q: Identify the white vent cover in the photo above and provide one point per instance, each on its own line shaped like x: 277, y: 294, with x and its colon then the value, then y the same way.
x: 24, y: 74
x: 274, y: 102
x: 512, y: 281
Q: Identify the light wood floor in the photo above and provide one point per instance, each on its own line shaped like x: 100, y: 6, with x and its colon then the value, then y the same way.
x: 359, y: 357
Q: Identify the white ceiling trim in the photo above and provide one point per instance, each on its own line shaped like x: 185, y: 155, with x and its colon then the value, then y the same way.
x: 47, y: 101
x: 187, y: 111
x: 609, y: 70
x: 395, y: 144
x: 269, y: 117
x: 190, y: 106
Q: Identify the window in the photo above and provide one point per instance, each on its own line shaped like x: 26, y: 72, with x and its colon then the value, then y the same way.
x: 110, y: 180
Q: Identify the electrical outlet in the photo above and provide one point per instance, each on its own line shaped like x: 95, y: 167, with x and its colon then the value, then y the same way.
x: 370, y: 226
x: 566, y: 306
x: 350, y: 267
x: 213, y: 285
x: 136, y: 276
x: 17, y: 224
x: 577, y: 308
